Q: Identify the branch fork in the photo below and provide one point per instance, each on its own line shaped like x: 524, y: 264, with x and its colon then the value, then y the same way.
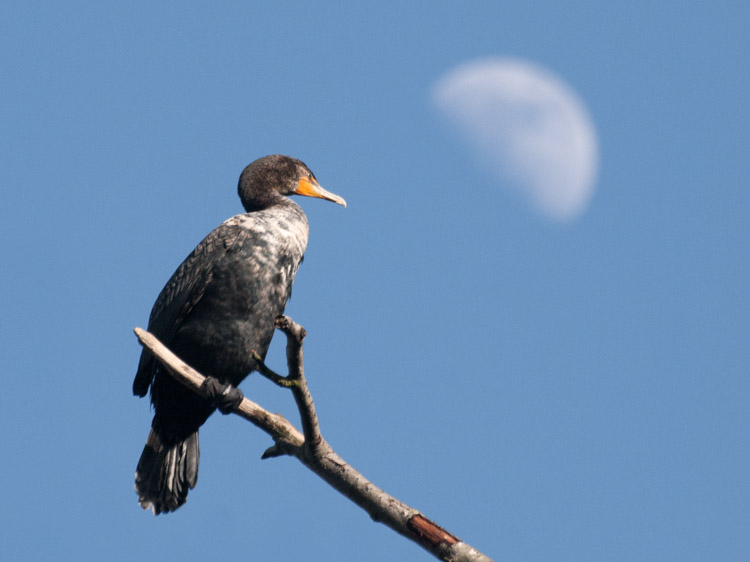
x: 312, y: 450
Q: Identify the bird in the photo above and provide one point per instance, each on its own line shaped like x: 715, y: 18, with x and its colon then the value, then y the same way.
x: 217, y: 309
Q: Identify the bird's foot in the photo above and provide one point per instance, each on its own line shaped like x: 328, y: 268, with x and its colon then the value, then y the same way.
x: 263, y: 369
x: 225, y: 397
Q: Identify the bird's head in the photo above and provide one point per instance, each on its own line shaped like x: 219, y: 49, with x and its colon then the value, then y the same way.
x: 265, y: 180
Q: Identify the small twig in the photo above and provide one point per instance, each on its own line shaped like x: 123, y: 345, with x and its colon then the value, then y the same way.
x: 315, y: 453
x: 295, y: 335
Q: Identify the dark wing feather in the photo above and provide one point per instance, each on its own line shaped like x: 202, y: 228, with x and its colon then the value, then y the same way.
x: 182, y: 292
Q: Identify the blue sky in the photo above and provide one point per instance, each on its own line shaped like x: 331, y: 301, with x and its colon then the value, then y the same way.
x: 544, y: 391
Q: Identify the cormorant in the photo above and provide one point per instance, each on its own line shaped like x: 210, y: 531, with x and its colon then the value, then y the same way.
x: 216, y: 308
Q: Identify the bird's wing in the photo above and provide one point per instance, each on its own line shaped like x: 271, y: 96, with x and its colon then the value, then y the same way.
x: 183, y: 291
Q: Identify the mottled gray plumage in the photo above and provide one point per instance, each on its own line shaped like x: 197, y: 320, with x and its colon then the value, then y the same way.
x: 217, y: 307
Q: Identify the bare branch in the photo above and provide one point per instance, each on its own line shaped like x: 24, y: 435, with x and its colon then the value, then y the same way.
x: 315, y: 453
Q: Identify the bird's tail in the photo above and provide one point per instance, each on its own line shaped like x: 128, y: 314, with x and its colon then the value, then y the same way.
x: 166, y: 472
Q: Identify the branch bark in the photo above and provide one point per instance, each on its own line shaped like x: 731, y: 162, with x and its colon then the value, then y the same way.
x: 315, y: 453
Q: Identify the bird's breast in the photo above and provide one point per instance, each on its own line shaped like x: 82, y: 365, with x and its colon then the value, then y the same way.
x: 249, y: 287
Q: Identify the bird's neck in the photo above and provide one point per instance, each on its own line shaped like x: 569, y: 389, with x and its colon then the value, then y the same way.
x: 261, y: 201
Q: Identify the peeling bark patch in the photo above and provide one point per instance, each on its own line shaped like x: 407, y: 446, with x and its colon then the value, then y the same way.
x: 429, y: 531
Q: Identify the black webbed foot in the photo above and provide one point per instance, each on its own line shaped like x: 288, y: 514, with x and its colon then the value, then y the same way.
x: 224, y: 397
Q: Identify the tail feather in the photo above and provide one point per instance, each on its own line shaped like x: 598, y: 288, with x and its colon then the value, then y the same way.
x: 166, y: 472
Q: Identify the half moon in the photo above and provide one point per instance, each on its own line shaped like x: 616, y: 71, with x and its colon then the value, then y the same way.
x: 528, y: 127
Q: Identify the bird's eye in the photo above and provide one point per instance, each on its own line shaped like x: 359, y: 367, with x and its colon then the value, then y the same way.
x: 310, y: 177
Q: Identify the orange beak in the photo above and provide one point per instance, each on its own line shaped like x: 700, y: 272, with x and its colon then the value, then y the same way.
x: 311, y: 188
